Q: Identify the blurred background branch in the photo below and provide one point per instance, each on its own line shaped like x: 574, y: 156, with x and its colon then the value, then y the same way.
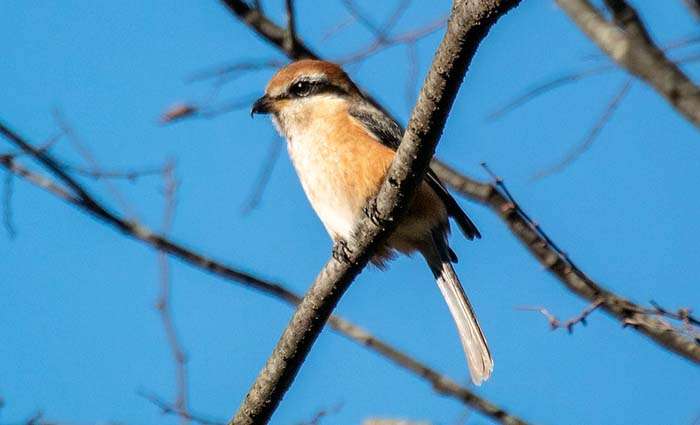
x: 627, y: 42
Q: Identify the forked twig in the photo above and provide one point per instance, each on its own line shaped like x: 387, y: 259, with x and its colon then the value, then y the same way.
x: 555, y: 323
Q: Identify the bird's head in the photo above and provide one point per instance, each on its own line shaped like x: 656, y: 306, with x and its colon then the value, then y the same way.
x: 303, y: 88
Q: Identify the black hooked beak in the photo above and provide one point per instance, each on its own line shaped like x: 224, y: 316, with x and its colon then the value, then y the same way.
x: 261, y: 106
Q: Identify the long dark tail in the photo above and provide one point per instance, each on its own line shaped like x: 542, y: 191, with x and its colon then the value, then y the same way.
x: 473, y: 341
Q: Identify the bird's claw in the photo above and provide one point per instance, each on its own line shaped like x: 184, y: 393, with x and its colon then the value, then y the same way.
x: 371, y: 211
x: 341, y: 252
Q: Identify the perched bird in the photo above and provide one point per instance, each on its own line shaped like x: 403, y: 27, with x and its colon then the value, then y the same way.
x: 341, y: 146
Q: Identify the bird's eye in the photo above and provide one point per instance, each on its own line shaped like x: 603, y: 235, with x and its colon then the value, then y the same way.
x: 301, y: 88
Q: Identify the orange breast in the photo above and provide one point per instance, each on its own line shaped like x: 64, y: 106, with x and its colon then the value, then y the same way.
x: 341, y: 166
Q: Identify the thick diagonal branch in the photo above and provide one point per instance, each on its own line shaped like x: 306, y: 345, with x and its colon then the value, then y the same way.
x: 469, y: 23
x: 626, y: 41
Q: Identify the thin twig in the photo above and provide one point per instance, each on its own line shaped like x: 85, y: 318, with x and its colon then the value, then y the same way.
x: 208, y: 110
x: 131, y: 175
x: 627, y: 42
x: 694, y: 7
x: 691, y: 325
x: 235, y: 70
x: 379, y: 45
x: 380, y: 32
x: 7, y: 217
x: 412, y: 78
x: 263, y: 178
x: 683, y: 314
x: 169, y: 409
x: 291, y: 33
x: 511, y: 204
x: 573, y: 77
x: 545, y: 87
x: 256, y: 19
x: 85, y: 153
x: 337, y: 28
x: 322, y: 413
x: 568, y: 324
x: 163, y: 303
x: 593, y: 133
x: 393, y: 19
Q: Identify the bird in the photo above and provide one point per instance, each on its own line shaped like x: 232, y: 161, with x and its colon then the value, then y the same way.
x: 341, y: 145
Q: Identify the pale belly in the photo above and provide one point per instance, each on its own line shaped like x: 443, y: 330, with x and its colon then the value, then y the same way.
x: 331, y: 179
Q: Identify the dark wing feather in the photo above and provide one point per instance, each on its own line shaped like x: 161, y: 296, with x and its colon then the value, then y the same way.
x: 389, y: 133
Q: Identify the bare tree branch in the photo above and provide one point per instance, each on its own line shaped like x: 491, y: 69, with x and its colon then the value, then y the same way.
x: 383, y: 421
x: 385, y: 41
x: 354, y: 333
x: 579, y: 75
x: 568, y: 324
x: 255, y: 19
x: 469, y: 23
x: 546, y: 87
x: 683, y: 314
x: 39, y: 419
x: 170, y: 409
x: 264, y: 175
x: 322, y: 413
x: 232, y: 71
x: 93, y: 166
x: 593, y: 133
x: 290, y: 39
x: 7, y: 216
x: 163, y: 303
x: 497, y: 197
x: 694, y: 7
x: 628, y: 43
x: 185, y: 110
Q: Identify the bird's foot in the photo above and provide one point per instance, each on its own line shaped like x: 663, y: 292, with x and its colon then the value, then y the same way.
x: 341, y: 251
x: 372, y: 212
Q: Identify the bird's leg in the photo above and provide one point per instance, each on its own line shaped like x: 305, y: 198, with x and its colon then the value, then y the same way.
x: 341, y: 252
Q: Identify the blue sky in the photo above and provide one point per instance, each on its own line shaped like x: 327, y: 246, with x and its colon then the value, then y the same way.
x: 78, y: 331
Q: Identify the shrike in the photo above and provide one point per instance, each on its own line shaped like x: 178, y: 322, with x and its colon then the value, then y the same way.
x: 342, y: 146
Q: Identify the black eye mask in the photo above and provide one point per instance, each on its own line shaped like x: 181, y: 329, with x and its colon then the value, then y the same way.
x: 306, y: 88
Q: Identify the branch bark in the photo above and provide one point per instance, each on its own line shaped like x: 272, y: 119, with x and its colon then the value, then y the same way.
x: 561, y: 266
x: 468, y: 25
x: 262, y: 25
x: 352, y: 332
x: 535, y: 241
x: 626, y: 41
